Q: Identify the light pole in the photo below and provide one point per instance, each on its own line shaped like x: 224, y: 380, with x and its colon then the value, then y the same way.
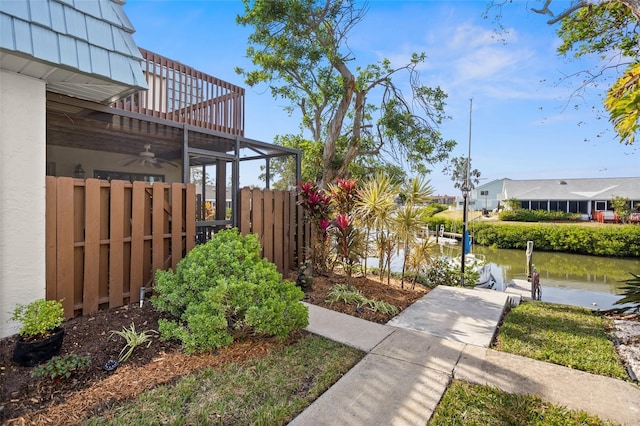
x: 465, y: 196
x: 466, y: 188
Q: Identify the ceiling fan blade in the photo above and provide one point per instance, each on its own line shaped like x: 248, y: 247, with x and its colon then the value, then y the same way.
x: 128, y: 161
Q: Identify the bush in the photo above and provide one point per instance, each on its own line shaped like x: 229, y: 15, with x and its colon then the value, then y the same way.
x: 434, y: 208
x: 39, y: 317
x: 612, y: 241
x: 223, y: 289
x: 444, y: 271
x: 525, y: 215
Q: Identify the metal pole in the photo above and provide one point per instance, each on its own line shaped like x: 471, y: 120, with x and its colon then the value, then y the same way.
x: 466, y: 187
x: 464, y: 231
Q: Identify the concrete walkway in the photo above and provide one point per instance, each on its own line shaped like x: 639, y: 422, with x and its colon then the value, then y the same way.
x: 411, y: 361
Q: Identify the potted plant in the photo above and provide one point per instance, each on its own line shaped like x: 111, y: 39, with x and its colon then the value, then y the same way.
x: 41, y: 332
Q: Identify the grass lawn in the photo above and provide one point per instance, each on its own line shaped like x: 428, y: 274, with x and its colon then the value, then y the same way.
x: 271, y: 390
x: 467, y: 404
x: 564, y: 335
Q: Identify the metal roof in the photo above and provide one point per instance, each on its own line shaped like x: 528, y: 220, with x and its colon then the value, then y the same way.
x: 572, y: 189
x: 82, y: 48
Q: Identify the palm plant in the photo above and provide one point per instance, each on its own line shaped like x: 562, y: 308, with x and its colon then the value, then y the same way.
x: 420, y: 258
x: 373, y: 209
x: 410, y: 219
x: 631, y: 293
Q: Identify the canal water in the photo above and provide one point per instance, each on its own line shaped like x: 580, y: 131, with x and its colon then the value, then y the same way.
x: 571, y: 279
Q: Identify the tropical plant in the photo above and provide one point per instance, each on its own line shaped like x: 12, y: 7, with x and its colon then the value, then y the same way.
x: 512, y: 204
x: 61, y: 367
x: 419, y: 259
x: 376, y: 201
x: 622, y: 207
x: 349, y: 239
x: 409, y: 220
x: 39, y: 317
x: 224, y: 289
x: 631, y: 293
x: 316, y: 205
x: 352, y: 296
x: 133, y: 340
x: 349, y: 243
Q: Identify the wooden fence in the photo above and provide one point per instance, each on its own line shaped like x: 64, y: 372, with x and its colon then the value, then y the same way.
x: 104, y: 240
x: 277, y: 219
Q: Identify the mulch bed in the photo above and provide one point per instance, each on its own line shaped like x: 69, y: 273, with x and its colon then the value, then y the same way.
x: 27, y: 400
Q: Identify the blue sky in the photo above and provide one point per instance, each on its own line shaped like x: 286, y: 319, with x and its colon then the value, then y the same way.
x: 525, y: 122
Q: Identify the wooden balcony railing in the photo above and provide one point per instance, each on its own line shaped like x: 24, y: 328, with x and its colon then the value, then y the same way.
x: 182, y: 94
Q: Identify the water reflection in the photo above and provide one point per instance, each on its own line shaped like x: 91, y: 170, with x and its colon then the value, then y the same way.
x: 568, y: 278
x: 571, y: 279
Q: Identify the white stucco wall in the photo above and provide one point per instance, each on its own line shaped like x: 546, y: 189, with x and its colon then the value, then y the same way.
x: 22, y: 194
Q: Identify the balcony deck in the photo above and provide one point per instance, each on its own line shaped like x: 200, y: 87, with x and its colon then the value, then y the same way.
x: 184, y: 95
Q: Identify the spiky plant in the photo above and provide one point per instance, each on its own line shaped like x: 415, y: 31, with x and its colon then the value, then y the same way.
x: 631, y: 293
x: 373, y: 209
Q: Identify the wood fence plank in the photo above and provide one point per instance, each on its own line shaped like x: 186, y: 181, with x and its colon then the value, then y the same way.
x: 51, y: 238
x: 157, y: 227
x: 116, y: 244
x: 268, y: 225
x: 137, y: 241
x: 288, y: 232
x: 176, y: 223
x: 190, y: 218
x: 64, y: 246
x: 244, y: 205
x: 103, y: 267
x: 278, y: 230
x: 91, y: 246
x: 257, y: 216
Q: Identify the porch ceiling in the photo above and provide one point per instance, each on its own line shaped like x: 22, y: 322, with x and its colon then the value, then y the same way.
x: 80, y: 124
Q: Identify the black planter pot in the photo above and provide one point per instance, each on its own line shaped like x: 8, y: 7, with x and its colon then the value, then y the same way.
x: 30, y: 353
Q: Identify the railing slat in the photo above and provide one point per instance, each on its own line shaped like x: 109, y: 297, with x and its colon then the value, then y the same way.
x: 182, y: 94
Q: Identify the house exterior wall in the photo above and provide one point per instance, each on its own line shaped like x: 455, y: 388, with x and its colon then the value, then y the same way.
x: 22, y: 194
x: 487, y: 195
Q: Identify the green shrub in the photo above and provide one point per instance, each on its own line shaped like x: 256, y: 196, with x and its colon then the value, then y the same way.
x: 434, y: 208
x: 61, y: 367
x: 444, y: 272
x: 525, y: 215
x: 611, y: 241
x: 223, y: 289
x: 39, y: 317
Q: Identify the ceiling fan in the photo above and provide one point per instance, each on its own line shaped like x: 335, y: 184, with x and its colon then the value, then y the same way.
x: 146, y: 158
